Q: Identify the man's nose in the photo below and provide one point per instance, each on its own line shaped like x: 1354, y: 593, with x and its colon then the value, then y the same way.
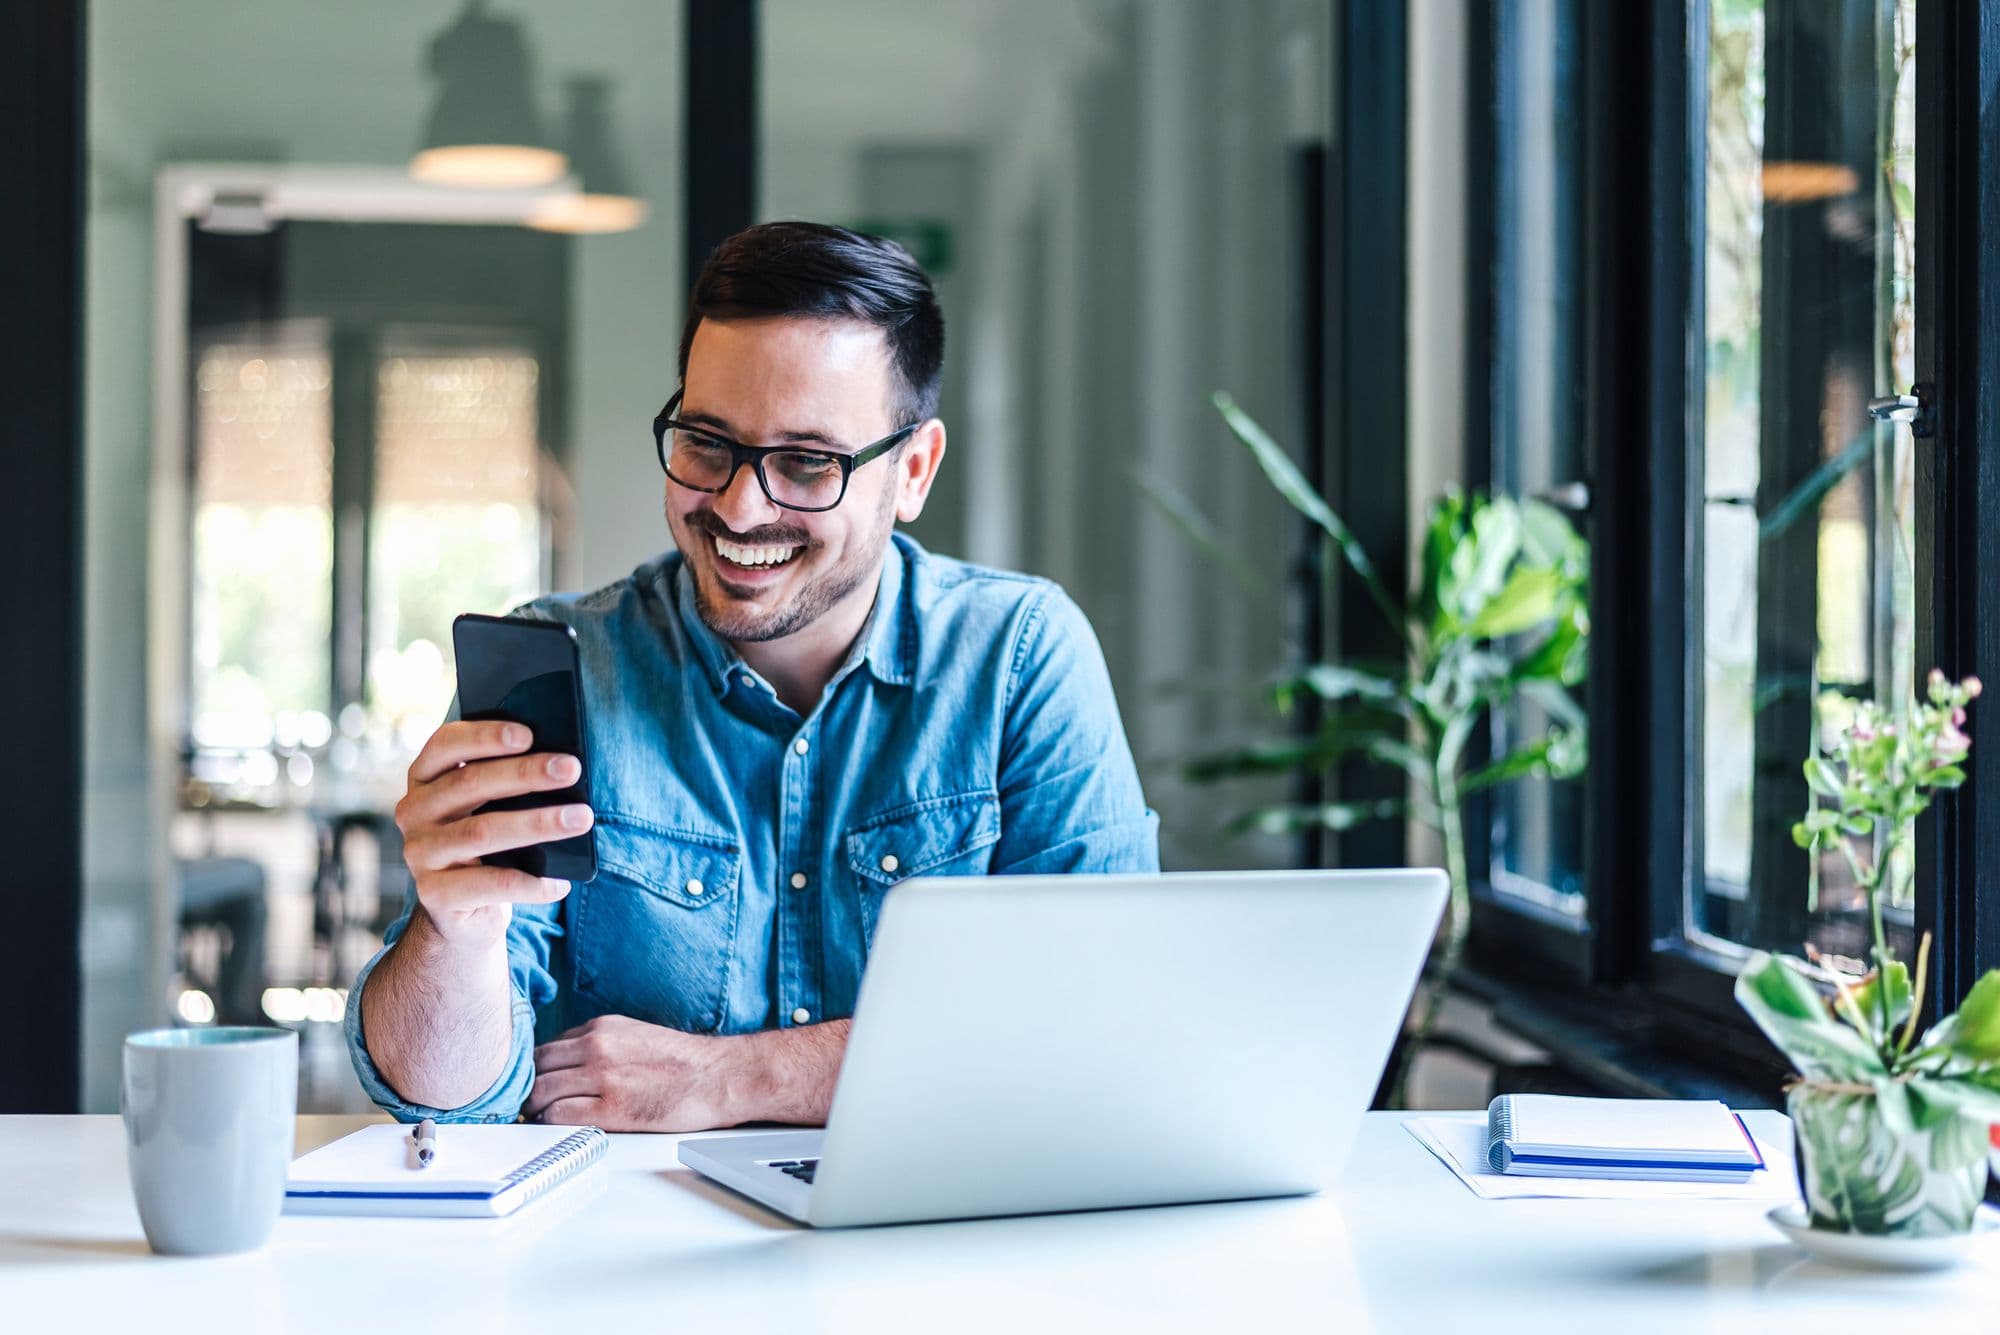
x: 742, y: 505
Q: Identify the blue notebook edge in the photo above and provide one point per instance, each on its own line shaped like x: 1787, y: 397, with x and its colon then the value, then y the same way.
x: 573, y: 1153
x: 1501, y: 1156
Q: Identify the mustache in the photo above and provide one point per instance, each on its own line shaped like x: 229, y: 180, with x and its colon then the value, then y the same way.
x: 769, y: 535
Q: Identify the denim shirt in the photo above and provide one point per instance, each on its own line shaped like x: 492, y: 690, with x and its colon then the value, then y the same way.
x: 744, y: 852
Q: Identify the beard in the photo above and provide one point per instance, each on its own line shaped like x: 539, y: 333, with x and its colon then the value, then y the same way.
x: 738, y: 622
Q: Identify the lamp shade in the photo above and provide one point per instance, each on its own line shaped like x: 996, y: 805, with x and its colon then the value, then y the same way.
x: 603, y: 200
x: 484, y: 130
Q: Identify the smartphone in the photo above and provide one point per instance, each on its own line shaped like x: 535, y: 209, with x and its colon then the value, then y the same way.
x: 527, y: 672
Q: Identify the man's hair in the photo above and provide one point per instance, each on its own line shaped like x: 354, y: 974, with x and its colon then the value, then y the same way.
x: 822, y: 272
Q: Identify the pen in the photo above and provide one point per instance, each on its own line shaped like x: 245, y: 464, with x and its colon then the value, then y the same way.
x: 424, y: 1133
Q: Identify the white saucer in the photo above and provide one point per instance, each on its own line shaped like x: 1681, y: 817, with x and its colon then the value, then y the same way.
x: 1876, y: 1252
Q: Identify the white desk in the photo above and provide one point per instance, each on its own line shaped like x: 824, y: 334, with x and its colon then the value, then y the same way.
x: 1401, y: 1246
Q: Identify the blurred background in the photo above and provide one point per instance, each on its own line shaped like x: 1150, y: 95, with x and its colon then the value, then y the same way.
x: 378, y: 304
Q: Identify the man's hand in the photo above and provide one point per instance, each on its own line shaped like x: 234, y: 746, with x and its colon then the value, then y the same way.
x: 461, y: 768
x: 625, y: 1075
x: 437, y: 1009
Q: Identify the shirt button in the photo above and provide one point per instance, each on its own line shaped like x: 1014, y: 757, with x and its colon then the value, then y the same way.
x: 801, y: 1015
x: 798, y: 880
x: 801, y: 746
x: 889, y: 862
x: 695, y: 887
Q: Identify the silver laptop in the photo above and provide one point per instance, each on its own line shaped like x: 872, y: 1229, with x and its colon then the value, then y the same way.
x: 1032, y: 1044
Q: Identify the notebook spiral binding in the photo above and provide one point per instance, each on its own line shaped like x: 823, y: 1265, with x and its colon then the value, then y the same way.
x: 1499, y: 1130
x: 560, y: 1162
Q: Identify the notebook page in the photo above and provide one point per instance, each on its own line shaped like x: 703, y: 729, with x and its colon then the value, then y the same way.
x: 1668, y: 1126
x: 469, y: 1159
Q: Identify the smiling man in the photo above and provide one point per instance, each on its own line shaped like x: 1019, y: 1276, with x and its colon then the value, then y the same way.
x: 789, y: 714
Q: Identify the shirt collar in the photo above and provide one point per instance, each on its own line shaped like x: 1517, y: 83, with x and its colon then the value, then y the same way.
x: 887, y: 644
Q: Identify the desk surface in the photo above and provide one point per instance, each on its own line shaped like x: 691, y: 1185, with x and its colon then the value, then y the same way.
x: 1399, y: 1246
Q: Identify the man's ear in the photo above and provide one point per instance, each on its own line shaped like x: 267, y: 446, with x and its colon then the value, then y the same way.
x: 916, y: 468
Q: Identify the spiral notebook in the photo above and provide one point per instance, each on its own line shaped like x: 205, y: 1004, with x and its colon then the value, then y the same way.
x: 1661, y: 1140
x: 480, y: 1170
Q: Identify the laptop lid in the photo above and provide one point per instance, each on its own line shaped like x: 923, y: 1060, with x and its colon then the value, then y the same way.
x: 1024, y: 1044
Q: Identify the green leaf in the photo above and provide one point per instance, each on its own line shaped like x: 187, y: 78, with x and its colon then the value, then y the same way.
x: 1867, y: 996
x: 1292, y: 485
x: 1976, y: 1035
x: 1533, y: 758
x: 1330, y: 682
x: 1820, y: 778
x: 1335, y: 816
x: 1962, y: 1098
x: 1560, y: 656
x: 1790, y: 1011
x: 1529, y: 598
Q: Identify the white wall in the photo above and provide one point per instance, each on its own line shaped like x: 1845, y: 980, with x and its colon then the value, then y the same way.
x: 219, y: 80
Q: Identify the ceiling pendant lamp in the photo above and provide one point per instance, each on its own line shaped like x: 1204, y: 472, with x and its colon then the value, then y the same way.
x: 603, y: 200
x: 483, y: 129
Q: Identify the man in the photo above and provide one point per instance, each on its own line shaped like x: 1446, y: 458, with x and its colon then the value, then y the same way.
x: 788, y: 715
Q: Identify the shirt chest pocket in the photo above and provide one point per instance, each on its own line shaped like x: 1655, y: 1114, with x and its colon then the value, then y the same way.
x: 654, y: 934
x: 939, y: 836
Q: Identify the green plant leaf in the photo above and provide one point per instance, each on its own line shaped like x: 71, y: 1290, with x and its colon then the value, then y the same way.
x: 1559, y: 656
x: 1292, y: 485
x: 1867, y: 995
x: 1790, y: 1011
x: 1331, y: 682
x: 1961, y: 1098
x: 1533, y: 758
x: 1335, y: 816
x: 1529, y: 598
x: 1820, y: 778
x: 1976, y: 1033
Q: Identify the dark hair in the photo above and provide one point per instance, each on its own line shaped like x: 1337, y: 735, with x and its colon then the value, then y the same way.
x: 816, y: 270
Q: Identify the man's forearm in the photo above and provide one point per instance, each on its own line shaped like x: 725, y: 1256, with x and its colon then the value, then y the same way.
x: 438, y: 1020
x: 789, y: 1074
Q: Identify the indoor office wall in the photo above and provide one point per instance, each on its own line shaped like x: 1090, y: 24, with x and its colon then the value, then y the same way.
x: 1119, y: 189
x: 312, y: 86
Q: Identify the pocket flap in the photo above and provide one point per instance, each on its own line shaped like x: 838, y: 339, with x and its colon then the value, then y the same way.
x: 686, y: 867
x: 911, y: 839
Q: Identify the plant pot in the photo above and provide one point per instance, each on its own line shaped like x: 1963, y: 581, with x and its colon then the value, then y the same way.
x: 1860, y: 1175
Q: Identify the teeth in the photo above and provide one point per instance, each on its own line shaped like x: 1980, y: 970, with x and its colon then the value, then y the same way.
x: 754, y: 556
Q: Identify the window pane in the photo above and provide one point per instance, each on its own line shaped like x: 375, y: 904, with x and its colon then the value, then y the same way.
x: 1805, y: 518
x: 456, y: 526
x: 263, y: 540
x: 1537, y: 829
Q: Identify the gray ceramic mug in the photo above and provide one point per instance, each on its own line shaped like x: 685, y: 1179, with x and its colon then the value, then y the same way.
x: 208, y: 1134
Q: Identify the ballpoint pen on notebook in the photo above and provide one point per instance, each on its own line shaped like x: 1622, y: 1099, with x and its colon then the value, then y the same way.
x: 423, y: 1139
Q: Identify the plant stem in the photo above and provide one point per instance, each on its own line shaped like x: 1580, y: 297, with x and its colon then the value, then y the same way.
x: 1458, y: 919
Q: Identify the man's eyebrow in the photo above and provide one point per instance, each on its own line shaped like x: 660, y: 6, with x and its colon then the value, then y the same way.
x: 722, y: 427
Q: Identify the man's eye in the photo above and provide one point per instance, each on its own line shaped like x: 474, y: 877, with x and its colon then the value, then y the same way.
x: 806, y: 467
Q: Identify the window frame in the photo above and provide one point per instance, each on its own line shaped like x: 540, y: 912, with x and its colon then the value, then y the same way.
x: 1643, y: 353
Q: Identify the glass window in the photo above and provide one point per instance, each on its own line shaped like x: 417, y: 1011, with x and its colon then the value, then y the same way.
x: 1535, y: 392
x: 1805, y: 539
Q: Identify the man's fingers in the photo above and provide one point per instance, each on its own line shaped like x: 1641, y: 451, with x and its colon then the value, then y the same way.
x: 455, y: 743
x: 474, y: 837
x: 462, y: 790
x: 550, y: 1086
x: 560, y: 1054
x: 585, y: 1110
x: 460, y: 889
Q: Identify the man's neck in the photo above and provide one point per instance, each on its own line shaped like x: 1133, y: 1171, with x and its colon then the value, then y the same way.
x: 800, y: 665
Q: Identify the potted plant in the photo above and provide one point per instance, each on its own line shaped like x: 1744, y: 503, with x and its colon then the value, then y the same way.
x: 1892, y: 1123
x: 1498, y: 614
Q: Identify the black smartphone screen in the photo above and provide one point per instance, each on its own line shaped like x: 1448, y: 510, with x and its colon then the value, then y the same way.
x: 526, y: 672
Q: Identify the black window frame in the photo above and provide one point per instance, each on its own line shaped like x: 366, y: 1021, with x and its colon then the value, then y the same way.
x: 1644, y: 214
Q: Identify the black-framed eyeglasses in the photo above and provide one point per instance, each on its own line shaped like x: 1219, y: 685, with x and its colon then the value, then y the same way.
x: 797, y: 479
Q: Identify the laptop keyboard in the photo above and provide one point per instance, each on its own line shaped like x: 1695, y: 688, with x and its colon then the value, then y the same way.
x: 802, y: 1169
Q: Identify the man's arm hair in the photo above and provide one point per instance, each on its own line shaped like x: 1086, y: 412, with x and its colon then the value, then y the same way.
x: 439, y: 1026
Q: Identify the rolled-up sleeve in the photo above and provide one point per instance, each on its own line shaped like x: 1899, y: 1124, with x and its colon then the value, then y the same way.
x: 530, y: 937
x: 1070, y: 799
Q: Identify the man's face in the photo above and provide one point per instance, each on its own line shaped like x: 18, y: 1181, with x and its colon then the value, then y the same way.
x: 761, y: 571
